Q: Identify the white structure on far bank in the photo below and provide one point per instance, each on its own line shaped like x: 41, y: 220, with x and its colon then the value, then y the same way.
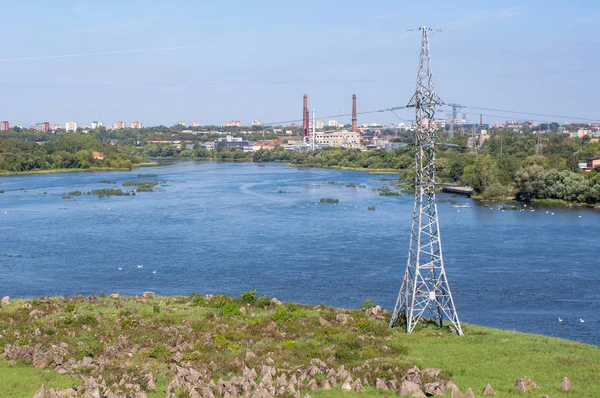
x: 71, y: 126
x: 340, y: 139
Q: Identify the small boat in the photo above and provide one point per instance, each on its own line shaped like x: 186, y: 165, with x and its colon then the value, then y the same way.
x: 461, y: 206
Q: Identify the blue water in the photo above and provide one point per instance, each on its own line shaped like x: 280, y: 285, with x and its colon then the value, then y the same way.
x: 225, y: 228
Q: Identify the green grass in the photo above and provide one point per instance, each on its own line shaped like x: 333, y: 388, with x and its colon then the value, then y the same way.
x: 222, y: 329
x: 22, y: 380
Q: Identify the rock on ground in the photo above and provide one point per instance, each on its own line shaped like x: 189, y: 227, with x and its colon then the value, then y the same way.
x: 565, y: 385
x: 488, y: 390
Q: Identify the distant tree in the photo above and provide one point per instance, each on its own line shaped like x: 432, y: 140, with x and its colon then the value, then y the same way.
x: 485, y: 173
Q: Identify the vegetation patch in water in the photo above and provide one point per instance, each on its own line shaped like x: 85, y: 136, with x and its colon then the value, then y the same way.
x: 330, y: 200
x: 451, y: 201
x: 104, y: 193
x: 140, y: 184
x: 385, y: 191
x: 371, y: 208
x: 147, y: 175
x: 107, y: 182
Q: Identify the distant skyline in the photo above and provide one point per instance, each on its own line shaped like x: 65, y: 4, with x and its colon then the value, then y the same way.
x: 213, y: 61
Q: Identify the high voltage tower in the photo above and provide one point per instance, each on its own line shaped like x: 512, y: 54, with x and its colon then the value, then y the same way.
x: 425, y: 291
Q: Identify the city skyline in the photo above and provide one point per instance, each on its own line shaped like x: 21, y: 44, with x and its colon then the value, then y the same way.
x: 154, y: 64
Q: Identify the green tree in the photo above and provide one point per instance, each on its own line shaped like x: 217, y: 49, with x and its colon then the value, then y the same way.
x: 485, y: 173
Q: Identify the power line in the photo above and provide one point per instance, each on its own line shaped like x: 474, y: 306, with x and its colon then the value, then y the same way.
x: 534, y: 114
x: 392, y: 109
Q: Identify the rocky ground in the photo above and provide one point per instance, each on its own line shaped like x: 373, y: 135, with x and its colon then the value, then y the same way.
x: 217, y: 346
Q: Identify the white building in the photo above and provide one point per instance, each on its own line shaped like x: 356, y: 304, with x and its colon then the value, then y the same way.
x: 320, y: 124
x: 71, y: 126
x: 256, y: 122
x: 332, y: 123
x: 232, y: 123
x: 135, y: 125
x: 195, y: 124
x: 341, y: 139
x: 96, y: 125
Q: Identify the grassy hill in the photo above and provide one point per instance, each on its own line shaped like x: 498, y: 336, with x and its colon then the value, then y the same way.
x: 153, y: 343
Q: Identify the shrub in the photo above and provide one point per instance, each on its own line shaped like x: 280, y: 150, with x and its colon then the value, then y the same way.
x: 496, y: 191
x: 283, y: 314
x: 220, y: 341
x: 231, y: 309
x: 365, y: 305
x: 87, y: 319
x: 156, y: 308
x: 248, y: 297
x: 263, y: 301
x: 198, y: 300
x: 348, y: 350
x: 289, y: 344
x: 70, y: 307
x: 220, y: 301
x: 159, y: 352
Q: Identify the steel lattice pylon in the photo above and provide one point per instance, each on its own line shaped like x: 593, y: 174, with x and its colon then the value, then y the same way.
x: 425, y: 291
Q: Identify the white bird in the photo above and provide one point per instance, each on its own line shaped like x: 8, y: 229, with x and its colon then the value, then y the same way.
x: 552, y: 213
x: 140, y: 266
x: 579, y: 216
x: 547, y: 212
x: 581, y: 320
x: 154, y: 272
x: 120, y: 269
x: 458, y: 211
x: 559, y: 319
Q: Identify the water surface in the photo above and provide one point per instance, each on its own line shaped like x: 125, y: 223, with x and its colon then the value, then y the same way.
x: 226, y: 228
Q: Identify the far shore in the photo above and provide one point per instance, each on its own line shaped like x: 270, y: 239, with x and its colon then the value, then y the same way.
x: 370, y: 171
x: 91, y: 169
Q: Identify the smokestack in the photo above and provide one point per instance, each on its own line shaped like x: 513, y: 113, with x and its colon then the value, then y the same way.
x: 305, y: 116
x: 354, y: 113
x: 480, y: 120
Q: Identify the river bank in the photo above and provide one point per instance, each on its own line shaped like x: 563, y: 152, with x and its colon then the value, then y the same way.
x: 4, y: 173
x: 153, y: 343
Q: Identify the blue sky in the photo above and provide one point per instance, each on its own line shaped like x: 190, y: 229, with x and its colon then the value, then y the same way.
x: 213, y: 61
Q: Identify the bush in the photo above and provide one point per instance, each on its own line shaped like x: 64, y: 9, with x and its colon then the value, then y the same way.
x: 248, y: 297
x: 198, y: 300
x: 496, y: 191
x: 87, y: 319
x: 348, y: 350
x: 283, y: 314
x: 156, y: 308
x: 289, y: 344
x: 220, y: 301
x: 365, y: 305
x: 263, y: 301
x: 231, y: 309
x: 159, y: 352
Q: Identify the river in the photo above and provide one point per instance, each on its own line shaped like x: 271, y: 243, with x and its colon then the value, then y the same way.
x: 223, y: 227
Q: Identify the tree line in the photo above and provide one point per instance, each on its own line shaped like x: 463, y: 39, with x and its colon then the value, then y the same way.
x: 68, y: 152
